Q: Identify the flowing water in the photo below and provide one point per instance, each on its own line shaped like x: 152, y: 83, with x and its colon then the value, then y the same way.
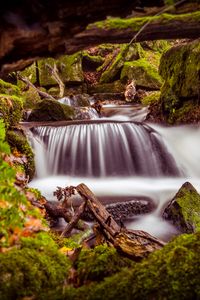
x: 119, y: 158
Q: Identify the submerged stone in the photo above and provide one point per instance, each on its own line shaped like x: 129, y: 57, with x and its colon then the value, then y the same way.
x: 184, y: 209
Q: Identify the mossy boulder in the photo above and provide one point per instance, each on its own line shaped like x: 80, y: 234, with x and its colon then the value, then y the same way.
x: 18, y: 141
x: 54, y: 91
x: 184, y: 209
x: 30, y: 98
x: 11, y: 108
x: 70, y: 67
x: 32, y: 269
x: 30, y: 73
x: 9, y: 89
x: 144, y: 74
x: 151, y: 98
x: 113, y: 87
x: 45, y: 78
x: 51, y: 110
x: 170, y: 273
x: 114, y: 63
x: 100, y: 262
x: 180, y: 67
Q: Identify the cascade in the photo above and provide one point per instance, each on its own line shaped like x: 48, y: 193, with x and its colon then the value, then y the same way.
x: 105, y: 149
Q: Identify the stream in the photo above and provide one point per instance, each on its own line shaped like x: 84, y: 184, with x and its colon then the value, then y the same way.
x: 119, y: 156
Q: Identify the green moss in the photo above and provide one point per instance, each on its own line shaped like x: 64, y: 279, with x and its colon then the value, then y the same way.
x: 142, y: 72
x: 19, y: 142
x: 114, y: 64
x: 33, y: 269
x: 45, y: 78
x: 54, y: 91
x: 11, y: 109
x: 30, y: 73
x: 136, y: 23
x: 70, y: 67
x: 114, y: 87
x: 31, y: 97
x: 180, y: 69
x: 50, y: 110
x: 94, y: 59
x: 101, y: 262
x: 184, y: 209
x: 151, y: 98
x: 170, y: 273
x: 9, y: 89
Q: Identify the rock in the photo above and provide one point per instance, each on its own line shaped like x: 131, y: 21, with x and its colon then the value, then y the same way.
x: 45, y: 78
x: 184, y: 209
x: 85, y: 113
x: 70, y: 67
x: 102, y: 88
x: 50, y: 110
x: 11, y: 109
x: 143, y: 72
x: 114, y: 63
x: 30, y: 73
x: 179, y: 67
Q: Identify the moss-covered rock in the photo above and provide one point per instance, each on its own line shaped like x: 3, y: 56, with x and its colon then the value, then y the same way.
x: 18, y: 141
x: 113, y: 87
x: 180, y: 69
x: 98, y: 263
x: 70, y: 67
x: 9, y: 89
x: 54, y: 91
x: 11, y: 108
x: 30, y: 73
x: 45, y: 78
x: 50, y: 110
x: 143, y: 73
x: 30, y: 98
x: 170, y: 273
x: 114, y: 63
x: 151, y: 98
x: 184, y: 209
x: 34, y: 268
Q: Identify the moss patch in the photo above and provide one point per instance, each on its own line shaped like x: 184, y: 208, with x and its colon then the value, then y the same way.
x: 9, y: 89
x: 19, y: 142
x: 150, y: 99
x: 70, y: 67
x: 11, y: 109
x: 184, y: 209
x: 142, y: 72
x: 33, y: 269
x: 50, y: 110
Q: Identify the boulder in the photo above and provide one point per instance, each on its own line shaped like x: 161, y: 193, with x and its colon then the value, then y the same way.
x: 184, y: 209
x: 50, y: 110
x: 143, y: 73
x: 180, y: 69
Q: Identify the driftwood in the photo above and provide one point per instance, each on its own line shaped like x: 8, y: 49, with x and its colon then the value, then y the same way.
x: 41, y: 93
x: 134, y: 244
x: 55, y: 75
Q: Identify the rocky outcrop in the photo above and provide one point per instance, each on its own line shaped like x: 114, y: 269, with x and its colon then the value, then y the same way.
x: 143, y: 73
x: 180, y: 69
x: 184, y: 209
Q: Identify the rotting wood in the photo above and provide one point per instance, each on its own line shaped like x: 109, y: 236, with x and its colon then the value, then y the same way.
x: 41, y: 93
x: 134, y: 244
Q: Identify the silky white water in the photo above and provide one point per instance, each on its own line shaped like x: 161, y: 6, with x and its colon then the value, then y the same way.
x: 182, y: 144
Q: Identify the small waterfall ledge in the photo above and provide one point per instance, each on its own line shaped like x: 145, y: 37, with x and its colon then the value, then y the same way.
x: 103, y: 150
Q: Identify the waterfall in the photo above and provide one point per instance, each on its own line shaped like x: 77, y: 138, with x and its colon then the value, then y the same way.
x: 105, y: 149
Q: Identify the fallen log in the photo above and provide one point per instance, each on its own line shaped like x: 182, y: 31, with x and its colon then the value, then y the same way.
x: 135, y: 244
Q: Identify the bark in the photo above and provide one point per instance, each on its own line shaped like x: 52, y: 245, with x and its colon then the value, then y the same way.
x: 41, y: 93
x: 132, y: 243
x: 61, y: 29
